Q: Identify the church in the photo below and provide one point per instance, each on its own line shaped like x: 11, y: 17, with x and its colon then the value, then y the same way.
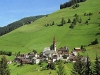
x: 51, y: 51
x: 53, y: 46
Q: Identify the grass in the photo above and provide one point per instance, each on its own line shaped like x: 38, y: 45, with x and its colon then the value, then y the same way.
x: 37, y: 36
x: 29, y: 70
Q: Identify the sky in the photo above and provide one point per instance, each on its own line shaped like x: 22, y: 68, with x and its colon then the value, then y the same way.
x: 13, y: 10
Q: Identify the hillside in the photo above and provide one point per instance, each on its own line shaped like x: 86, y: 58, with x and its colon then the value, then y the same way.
x: 40, y: 34
x: 37, y: 36
x: 12, y: 26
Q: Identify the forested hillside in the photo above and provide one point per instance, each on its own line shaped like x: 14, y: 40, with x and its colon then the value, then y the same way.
x: 73, y: 3
x: 12, y: 26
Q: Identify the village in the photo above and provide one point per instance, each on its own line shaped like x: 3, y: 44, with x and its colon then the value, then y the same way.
x: 49, y: 54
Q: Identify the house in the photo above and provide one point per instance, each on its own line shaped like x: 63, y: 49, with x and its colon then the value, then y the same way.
x: 9, y: 62
x: 63, y: 51
x: 44, y: 57
x: 24, y: 55
x: 25, y: 61
x: 36, y: 60
x: 74, y: 52
x: 77, y: 49
x: 72, y: 58
x: 54, y: 58
x: 22, y: 60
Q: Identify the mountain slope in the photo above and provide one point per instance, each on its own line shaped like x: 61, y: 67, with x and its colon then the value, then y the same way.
x: 37, y: 36
x: 12, y: 26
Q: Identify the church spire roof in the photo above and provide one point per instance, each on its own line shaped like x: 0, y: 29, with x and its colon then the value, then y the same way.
x: 54, y: 40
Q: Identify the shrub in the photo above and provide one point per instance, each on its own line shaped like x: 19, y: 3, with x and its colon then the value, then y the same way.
x: 69, y: 21
x: 71, y: 26
x: 86, y: 22
x: 94, y: 42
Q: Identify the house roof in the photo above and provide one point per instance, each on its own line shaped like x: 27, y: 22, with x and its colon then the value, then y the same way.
x: 25, y: 60
x: 54, y: 57
x: 50, y: 52
x: 46, y: 49
x: 63, y: 49
x: 77, y: 48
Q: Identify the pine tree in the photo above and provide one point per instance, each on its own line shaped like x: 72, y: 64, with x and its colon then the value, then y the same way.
x: 53, y: 23
x: 80, y: 20
x: 96, y: 66
x: 74, y: 21
x: 88, y: 70
x: 69, y: 21
x: 4, y: 70
x: 63, y: 22
x: 86, y: 22
x: 61, y: 70
x: 71, y: 26
x: 61, y: 6
x: 78, y: 67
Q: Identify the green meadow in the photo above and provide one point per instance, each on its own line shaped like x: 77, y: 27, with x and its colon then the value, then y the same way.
x: 37, y: 36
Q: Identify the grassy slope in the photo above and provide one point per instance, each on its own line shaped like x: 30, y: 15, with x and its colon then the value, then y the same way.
x: 37, y: 36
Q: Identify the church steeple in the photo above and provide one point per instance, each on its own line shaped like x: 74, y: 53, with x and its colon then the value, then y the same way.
x: 54, y: 43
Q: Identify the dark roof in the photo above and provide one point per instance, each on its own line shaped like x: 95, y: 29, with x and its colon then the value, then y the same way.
x: 50, y: 52
x: 63, y: 49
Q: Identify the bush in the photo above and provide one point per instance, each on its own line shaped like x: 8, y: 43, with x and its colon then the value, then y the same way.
x: 85, y: 14
x: 5, y: 53
x: 71, y: 26
x: 86, y: 22
x: 65, y: 56
x: 94, y: 42
x: 75, y: 15
x: 89, y: 18
x: 69, y: 21
x: 51, y: 66
x: 74, y: 21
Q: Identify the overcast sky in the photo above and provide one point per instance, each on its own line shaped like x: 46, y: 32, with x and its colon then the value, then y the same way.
x: 13, y: 10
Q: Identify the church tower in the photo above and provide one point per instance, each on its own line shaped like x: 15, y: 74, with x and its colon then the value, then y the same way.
x: 54, y: 43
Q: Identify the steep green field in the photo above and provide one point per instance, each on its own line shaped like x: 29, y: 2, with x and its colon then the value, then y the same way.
x: 37, y: 36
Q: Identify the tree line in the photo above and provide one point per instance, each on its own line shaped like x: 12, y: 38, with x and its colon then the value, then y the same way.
x: 87, y: 67
x: 12, y: 26
x: 5, y: 53
x: 70, y: 3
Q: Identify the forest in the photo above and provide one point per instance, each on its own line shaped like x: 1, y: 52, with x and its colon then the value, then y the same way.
x: 73, y: 3
x: 12, y: 26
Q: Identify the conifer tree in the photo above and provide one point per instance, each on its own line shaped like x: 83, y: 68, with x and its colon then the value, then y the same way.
x: 80, y: 20
x: 63, y: 22
x: 61, y: 70
x: 71, y: 26
x: 74, y: 21
x: 53, y: 23
x: 69, y: 21
x: 86, y: 22
x: 96, y: 66
x: 78, y: 67
x: 4, y: 70
x: 88, y: 70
